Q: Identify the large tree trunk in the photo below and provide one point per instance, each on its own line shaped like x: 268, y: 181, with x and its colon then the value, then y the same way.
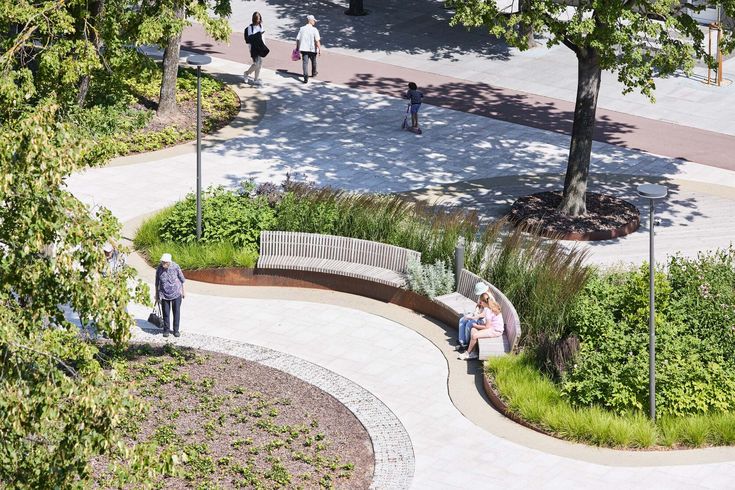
x: 95, y: 13
x: 356, y: 8
x: 83, y: 90
x: 167, y: 106
x: 526, y: 30
x: 588, y: 88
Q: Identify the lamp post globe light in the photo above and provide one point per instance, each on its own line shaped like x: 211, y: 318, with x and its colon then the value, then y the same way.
x: 199, y: 60
x: 652, y: 192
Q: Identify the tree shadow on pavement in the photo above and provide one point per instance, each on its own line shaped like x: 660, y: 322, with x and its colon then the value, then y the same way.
x: 492, y: 198
x: 408, y: 26
x: 352, y: 140
x: 484, y: 100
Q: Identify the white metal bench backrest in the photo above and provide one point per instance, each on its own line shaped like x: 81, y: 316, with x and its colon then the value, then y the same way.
x: 510, y: 316
x: 314, y: 245
x: 466, y: 287
x: 466, y: 284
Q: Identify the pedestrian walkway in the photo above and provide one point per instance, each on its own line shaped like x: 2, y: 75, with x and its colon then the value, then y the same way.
x: 405, y: 361
x: 477, y: 97
x: 351, y: 139
x: 415, y: 34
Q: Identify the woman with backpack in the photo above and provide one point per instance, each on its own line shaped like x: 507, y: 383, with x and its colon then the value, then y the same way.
x: 258, y: 50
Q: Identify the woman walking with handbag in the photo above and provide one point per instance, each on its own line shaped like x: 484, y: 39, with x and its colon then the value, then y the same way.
x: 258, y: 50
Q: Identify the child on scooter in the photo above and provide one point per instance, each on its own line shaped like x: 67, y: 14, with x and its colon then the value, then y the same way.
x: 415, y: 96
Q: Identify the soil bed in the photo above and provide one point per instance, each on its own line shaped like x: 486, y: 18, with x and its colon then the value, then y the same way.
x: 607, y: 217
x: 245, y: 425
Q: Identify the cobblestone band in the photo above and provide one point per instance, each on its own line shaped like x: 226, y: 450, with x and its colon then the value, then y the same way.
x: 394, y: 458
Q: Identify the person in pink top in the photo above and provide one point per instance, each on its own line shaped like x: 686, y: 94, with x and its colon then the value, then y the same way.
x: 493, y: 327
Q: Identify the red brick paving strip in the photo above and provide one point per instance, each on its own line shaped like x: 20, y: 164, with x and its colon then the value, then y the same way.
x: 633, y: 132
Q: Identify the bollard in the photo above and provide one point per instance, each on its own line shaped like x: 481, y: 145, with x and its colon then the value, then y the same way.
x: 458, y: 262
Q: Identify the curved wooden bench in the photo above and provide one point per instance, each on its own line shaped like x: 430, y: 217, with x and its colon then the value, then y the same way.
x: 464, y: 299
x: 352, y: 257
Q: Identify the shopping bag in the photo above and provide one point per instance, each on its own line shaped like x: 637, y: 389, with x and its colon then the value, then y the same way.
x: 295, y: 55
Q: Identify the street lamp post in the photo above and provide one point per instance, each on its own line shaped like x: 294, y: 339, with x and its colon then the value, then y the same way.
x: 651, y: 192
x: 199, y: 60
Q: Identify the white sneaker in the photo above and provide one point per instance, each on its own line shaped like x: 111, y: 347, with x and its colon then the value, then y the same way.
x: 467, y: 356
x: 258, y: 83
x: 247, y: 79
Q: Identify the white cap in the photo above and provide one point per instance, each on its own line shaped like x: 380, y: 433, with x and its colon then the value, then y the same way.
x: 107, y: 247
x: 480, y: 288
x: 311, y: 17
x: 166, y: 258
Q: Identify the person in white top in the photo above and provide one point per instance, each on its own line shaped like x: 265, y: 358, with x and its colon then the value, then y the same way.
x: 492, y: 327
x: 254, y: 37
x: 308, y: 44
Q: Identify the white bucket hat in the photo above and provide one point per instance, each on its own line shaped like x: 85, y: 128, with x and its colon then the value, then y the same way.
x: 107, y: 247
x: 480, y: 288
x: 166, y: 258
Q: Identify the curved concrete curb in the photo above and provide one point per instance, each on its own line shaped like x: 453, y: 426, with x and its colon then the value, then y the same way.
x: 466, y: 392
x: 253, y: 106
x: 518, y: 219
x: 394, y: 458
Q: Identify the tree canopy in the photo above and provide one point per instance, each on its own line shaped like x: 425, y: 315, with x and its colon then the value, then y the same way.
x: 639, y: 40
x: 61, y: 400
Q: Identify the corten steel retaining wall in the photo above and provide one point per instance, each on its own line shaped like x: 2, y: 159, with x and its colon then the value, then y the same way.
x: 334, y: 282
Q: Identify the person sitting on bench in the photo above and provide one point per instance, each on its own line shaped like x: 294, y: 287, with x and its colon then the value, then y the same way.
x: 492, y: 327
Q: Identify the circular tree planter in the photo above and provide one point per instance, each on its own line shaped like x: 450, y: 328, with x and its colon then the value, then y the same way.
x: 607, y: 217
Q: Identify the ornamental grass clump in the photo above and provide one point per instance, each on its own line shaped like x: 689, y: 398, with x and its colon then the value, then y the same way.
x: 541, y: 278
x: 391, y: 219
x: 537, y: 399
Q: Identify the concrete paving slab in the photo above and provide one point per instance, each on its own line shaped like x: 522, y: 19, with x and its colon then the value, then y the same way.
x: 427, y: 403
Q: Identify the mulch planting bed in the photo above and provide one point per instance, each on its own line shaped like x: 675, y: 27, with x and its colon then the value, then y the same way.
x: 607, y: 217
x: 244, y: 425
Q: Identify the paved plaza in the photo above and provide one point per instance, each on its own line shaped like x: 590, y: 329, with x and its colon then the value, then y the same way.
x: 340, y: 135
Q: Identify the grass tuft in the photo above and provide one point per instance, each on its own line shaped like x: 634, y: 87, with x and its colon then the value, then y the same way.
x: 535, y: 398
x: 190, y: 255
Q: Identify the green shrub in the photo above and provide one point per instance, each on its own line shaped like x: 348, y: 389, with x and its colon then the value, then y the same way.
x: 119, y: 108
x: 695, y: 342
x: 431, y: 279
x: 227, y: 216
x: 537, y: 399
